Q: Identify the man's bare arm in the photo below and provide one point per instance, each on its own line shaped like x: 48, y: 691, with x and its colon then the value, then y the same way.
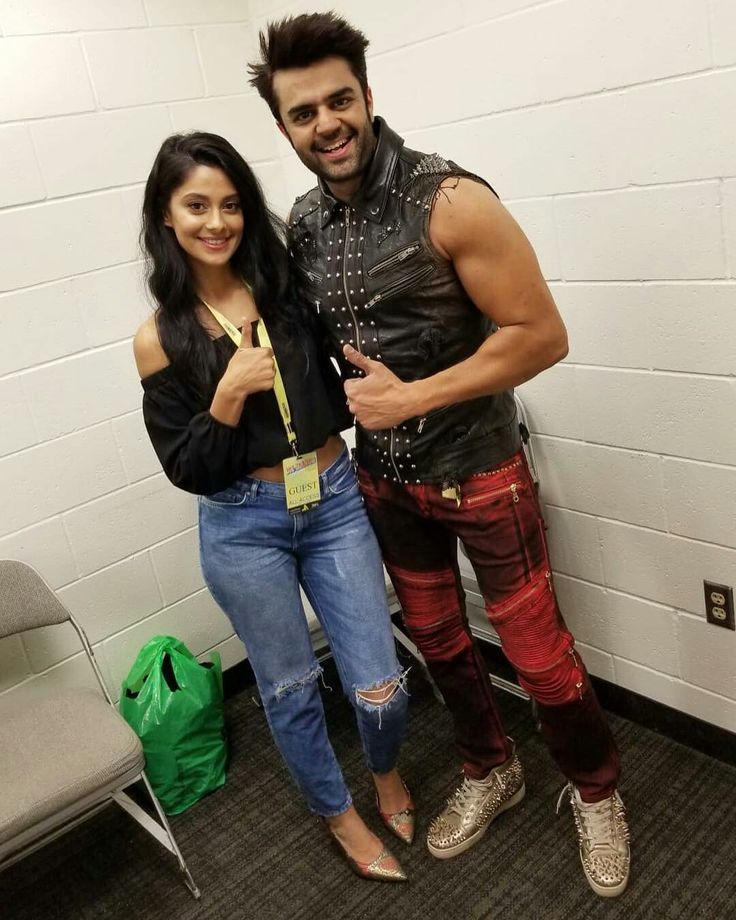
x: 499, y: 270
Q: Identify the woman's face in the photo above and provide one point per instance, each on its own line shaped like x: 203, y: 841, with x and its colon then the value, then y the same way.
x: 204, y: 213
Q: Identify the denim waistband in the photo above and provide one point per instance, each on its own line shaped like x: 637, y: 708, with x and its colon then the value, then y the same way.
x: 333, y: 472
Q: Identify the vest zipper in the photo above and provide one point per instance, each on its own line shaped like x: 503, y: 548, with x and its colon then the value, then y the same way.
x: 394, y: 259
x: 345, y: 280
x: 404, y: 282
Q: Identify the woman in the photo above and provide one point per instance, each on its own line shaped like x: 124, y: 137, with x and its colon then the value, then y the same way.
x: 231, y: 417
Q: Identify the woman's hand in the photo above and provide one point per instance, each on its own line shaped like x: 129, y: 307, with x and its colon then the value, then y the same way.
x: 250, y: 370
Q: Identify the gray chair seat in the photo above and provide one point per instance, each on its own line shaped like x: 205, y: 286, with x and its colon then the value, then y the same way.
x: 67, y: 753
x: 57, y: 753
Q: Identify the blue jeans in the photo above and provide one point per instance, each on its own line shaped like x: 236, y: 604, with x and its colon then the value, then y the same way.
x: 254, y: 557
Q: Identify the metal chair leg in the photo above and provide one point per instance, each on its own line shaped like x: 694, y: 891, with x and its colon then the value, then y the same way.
x: 160, y: 829
x: 188, y: 880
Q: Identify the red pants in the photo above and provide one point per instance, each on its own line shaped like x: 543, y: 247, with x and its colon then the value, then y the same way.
x: 500, y: 524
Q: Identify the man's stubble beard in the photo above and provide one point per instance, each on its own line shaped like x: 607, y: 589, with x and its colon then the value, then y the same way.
x: 364, y: 154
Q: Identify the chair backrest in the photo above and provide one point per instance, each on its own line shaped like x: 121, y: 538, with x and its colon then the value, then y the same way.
x: 26, y: 601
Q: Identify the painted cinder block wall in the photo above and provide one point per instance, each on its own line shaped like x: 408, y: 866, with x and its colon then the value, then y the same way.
x: 605, y: 128
x: 94, y: 90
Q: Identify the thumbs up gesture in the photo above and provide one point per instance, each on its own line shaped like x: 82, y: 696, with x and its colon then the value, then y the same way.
x: 379, y: 399
x: 246, y: 335
x: 250, y: 370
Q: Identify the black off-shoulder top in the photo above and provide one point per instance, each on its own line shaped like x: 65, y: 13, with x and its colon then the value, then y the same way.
x: 203, y: 455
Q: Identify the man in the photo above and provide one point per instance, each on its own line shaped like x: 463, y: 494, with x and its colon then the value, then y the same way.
x: 434, y: 301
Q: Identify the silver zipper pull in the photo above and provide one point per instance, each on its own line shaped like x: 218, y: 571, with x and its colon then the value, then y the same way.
x: 579, y: 684
x: 421, y: 424
x: 513, y: 491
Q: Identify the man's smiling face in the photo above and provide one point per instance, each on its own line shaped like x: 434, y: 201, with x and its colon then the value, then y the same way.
x: 328, y: 121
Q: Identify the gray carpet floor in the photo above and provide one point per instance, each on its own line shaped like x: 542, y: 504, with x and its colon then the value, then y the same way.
x: 256, y: 853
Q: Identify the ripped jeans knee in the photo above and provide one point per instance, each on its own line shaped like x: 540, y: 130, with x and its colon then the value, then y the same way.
x: 290, y: 685
x: 380, y: 694
x: 381, y: 710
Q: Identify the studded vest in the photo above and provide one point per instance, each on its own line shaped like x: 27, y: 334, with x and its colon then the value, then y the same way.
x: 381, y: 286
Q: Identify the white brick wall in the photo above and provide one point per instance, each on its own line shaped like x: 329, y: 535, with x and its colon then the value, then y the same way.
x: 679, y: 234
x: 60, y: 84
x: 160, y: 64
x: 91, y: 90
x: 723, y: 28
x: 223, y: 51
x: 729, y: 221
x: 94, y: 151
x: 49, y: 241
x: 653, y: 326
x: 23, y: 179
x: 603, y: 126
x: 32, y: 17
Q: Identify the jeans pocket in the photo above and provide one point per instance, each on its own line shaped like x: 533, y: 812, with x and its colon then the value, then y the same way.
x: 234, y: 495
x: 343, y: 482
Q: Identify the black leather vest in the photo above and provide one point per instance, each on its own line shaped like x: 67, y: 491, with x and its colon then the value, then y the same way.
x: 382, y: 287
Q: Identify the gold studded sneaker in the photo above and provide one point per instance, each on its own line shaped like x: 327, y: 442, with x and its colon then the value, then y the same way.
x: 603, y: 838
x: 473, y: 806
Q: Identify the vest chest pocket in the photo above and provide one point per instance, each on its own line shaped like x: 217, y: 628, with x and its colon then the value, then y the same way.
x: 396, y: 258
x: 402, y: 284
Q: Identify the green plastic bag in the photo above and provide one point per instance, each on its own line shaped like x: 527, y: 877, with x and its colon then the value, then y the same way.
x: 175, y: 706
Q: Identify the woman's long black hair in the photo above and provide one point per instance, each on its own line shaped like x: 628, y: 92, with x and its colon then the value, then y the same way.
x: 262, y: 259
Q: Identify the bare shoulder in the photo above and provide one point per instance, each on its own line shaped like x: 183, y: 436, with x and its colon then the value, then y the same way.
x: 149, y: 355
x: 466, y: 211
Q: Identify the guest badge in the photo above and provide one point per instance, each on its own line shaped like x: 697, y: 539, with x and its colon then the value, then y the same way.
x: 301, y: 480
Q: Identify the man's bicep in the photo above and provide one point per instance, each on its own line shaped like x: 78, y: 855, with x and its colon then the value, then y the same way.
x: 507, y: 285
x: 493, y: 259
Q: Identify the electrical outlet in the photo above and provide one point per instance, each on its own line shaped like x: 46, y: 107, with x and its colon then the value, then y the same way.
x: 719, y: 604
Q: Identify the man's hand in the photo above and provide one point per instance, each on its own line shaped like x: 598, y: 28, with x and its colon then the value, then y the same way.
x: 380, y: 399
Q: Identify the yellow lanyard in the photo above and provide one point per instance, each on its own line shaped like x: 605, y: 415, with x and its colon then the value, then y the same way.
x: 278, y: 383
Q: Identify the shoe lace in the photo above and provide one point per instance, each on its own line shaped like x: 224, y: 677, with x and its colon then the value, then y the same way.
x: 467, y: 794
x: 597, y: 823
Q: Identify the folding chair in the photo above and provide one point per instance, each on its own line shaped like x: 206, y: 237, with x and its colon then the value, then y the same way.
x: 69, y: 753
